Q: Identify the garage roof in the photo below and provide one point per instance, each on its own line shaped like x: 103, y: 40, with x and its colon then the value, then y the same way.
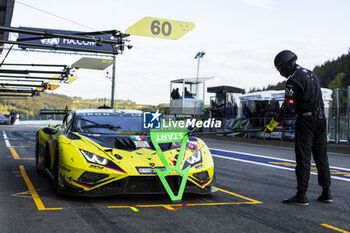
x: 6, y: 10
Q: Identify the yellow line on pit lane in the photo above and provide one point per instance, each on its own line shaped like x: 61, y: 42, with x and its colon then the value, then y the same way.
x: 334, y: 228
x: 170, y: 206
x: 12, y: 150
x: 39, y: 204
x: 240, y: 196
x: 134, y: 209
x: 14, y: 153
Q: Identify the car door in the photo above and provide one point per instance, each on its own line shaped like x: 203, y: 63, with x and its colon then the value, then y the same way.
x: 61, y: 130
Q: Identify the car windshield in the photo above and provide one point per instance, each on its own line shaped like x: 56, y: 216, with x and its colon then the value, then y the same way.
x: 107, y: 123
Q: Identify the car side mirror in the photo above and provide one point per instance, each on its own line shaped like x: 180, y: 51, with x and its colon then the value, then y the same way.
x: 50, y: 130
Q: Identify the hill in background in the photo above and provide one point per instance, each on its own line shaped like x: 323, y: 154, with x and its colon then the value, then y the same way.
x: 335, y: 73
x: 56, y: 101
x: 332, y: 74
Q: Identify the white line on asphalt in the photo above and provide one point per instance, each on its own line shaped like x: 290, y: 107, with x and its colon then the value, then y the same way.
x: 247, y: 161
x: 7, y: 142
x: 269, y: 157
x: 257, y: 145
x: 270, y: 165
x: 270, y: 146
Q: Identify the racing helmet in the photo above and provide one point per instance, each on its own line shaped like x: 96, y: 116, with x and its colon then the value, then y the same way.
x: 285, y: 62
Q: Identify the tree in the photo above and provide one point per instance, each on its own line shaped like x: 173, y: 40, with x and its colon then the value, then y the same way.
x: 329, y: 70
x: 337, y: 81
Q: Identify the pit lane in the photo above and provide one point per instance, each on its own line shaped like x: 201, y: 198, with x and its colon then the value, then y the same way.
x: 248, y: 198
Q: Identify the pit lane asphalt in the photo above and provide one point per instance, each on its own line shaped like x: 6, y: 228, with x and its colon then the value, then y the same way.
x: 256, y: 190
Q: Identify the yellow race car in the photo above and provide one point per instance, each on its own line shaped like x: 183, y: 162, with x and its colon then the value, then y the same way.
x: 102, y: 152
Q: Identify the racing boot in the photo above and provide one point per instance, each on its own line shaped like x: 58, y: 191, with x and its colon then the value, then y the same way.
x: 326, y: 196
x: 298, y: 199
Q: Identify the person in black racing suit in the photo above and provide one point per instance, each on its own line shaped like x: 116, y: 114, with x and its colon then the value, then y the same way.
x: 303, y: 97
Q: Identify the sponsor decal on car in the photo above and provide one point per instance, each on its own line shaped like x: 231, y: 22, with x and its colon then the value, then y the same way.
x: 141, y: 144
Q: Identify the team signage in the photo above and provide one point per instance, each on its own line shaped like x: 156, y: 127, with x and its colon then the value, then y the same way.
x: 73, y: 43
x: 161, y: 28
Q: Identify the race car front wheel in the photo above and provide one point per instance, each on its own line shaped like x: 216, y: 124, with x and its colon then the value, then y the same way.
x: 37, y: 154
x: 56, y: 169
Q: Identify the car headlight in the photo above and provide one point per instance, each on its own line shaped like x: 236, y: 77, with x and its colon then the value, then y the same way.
x: 195, y: 158
x: 92, y: 158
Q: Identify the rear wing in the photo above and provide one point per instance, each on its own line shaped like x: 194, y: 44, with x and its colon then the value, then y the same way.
x: 54, y: 111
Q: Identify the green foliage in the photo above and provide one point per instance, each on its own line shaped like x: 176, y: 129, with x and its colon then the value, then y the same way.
x: 278, y: 86
x: 330, y: 69
x: 253, y: 89
x: 163, y: 105
x: 33, y: 105
x: 332, y: 74
x: 337, y: 82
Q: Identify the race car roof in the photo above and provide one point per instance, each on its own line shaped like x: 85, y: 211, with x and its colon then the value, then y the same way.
x: 221, y: 89
x: 82, y: 111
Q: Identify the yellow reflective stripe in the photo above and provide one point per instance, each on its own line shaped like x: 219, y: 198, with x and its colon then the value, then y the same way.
x: 334, y: 228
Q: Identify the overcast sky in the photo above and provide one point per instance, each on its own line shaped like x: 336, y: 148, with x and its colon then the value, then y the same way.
x: 240, y: 39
